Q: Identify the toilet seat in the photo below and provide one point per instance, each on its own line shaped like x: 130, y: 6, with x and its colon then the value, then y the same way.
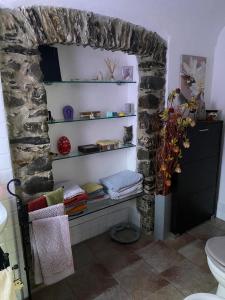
x: 203, y: 296
x: 215, y: 250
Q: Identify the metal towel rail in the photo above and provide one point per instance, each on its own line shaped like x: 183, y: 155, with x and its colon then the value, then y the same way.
x: 24, y: 228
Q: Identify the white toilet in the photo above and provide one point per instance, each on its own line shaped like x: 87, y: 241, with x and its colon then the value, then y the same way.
x: 203, y: 296
x: 215, y: 251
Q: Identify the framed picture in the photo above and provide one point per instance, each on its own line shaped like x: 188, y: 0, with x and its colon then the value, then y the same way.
x: 127, y: 73
x: 192, y: 75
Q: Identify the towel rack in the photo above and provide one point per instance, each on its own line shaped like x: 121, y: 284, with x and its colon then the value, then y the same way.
x: 24, y: 229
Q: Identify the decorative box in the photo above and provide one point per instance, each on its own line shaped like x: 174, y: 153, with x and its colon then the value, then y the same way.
x: 105, y: 145
x: 91, y: 148
x: 111, y: 114
x: 90, y: 114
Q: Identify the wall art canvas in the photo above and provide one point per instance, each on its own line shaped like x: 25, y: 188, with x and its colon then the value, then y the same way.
x: 193, y: 69
x: 127, y: 73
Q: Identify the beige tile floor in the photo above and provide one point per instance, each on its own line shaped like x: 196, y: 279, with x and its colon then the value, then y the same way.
x: 145, y: 270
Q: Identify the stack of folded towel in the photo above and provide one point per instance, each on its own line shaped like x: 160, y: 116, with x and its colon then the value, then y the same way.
x: 75, y: 199
x: 48, y: 199
x: 123, y: 184
x: 95, y: 191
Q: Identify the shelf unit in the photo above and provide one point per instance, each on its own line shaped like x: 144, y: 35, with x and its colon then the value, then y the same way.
x: 79, y: 154
x: 98, y: 205
x: 82, y: 119
x: 79, y: 91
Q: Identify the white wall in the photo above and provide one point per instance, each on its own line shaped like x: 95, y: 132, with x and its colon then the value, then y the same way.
x: 218, y: 102
x: 189, y: 27
x: 10, y: 236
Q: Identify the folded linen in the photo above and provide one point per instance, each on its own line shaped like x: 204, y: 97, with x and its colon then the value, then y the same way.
x: 135, y: 189
x: 72, y: 190
x: 121, y: 180
x: 92, y: 187
x: 77, y: 198
x: 37, y: 204
x: 52, y: 238
x: 117, y: 196
x: 55, y: 196
x: 73, y: 210
x: 75, y: 204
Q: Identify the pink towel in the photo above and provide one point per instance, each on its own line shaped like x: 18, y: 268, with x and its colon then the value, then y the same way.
x: 52, y: 239
x: 50, y: 243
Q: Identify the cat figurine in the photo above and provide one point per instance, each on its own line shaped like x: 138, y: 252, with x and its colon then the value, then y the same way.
x: 128, y: 134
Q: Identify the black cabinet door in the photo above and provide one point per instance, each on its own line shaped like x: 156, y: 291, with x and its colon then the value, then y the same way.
x: 205, y: 141
x: 194, y: 191
x: 191, y: 209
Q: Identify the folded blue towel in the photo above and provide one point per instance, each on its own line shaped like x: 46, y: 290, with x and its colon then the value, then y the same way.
x: 121, y: 180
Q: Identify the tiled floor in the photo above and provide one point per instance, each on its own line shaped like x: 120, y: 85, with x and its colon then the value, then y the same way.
x: 145, y: 270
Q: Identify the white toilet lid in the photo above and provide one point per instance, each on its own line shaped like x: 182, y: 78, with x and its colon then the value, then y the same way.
x: 215, y: 248
x: 203, y: 296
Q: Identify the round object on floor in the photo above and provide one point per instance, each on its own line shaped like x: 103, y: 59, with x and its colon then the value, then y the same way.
x: 125, y: 233
x: 203, y: 296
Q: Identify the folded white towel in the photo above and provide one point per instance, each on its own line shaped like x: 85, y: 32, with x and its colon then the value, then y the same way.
x: 72, y: 191
x: 135, y: 189
x: 118, y: 197
x: 7, y: 289
x: 121, y: 180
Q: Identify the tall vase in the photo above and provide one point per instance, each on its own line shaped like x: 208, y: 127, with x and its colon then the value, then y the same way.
x: 162, y: 216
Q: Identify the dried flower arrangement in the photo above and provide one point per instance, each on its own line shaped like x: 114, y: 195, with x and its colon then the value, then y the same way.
x: 111, y: 67
x: 172, y: 139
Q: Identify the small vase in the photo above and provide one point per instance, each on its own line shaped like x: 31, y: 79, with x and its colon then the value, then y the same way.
x: 162, y: 216
x: 112, y: 78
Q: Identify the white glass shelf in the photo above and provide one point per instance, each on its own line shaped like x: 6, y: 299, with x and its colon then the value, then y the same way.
x: 79, y: 154
x: 102, y: 204
x: 77, y: 81
x: 83, y: 119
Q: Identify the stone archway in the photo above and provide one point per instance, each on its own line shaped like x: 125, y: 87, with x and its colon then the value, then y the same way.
x: 21, y: 32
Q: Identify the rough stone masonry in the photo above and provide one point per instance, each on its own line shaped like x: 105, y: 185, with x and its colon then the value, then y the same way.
x: 21, y: 32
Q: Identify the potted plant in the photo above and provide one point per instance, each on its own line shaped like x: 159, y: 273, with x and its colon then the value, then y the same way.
x: 172, y: 139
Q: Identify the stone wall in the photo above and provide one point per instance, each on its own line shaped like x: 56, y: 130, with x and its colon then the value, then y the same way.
x: 21, y: 32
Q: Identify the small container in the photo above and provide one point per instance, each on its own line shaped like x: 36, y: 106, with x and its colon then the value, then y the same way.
x: 212, y: 115
x: 129, y: 108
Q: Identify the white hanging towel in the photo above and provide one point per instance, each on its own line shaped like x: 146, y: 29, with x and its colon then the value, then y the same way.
x: 52, y: 239
x: 50, y: 244
x: 7, y: 289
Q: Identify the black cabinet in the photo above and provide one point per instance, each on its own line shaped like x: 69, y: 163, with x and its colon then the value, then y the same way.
x: 195, y: 190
